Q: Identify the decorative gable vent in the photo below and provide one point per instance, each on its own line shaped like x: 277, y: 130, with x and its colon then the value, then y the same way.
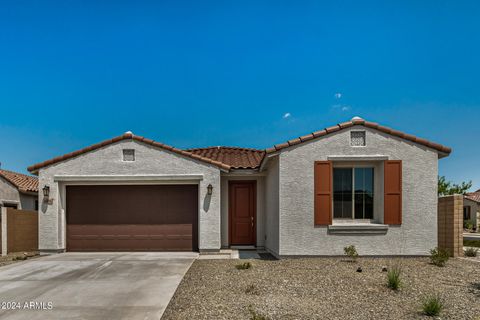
x: 357, y: 139
x: 128, y: 155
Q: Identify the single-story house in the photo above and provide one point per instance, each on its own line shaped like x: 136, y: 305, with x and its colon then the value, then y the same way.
x: 354, y: 183
x: 471, y: 209
x: 18, y: 191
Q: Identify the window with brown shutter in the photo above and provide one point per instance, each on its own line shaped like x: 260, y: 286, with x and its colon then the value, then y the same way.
x: 393, y: 192
x: 323, y: 192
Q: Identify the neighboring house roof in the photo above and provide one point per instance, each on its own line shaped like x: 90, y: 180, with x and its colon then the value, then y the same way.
x: 22, y: 182
x: 474, y: 196
x: 127, y: 136
x: 235, y: 157
x: 362, y: 122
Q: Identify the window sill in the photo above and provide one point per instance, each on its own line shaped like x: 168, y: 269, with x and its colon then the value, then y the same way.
x: 356, y: 228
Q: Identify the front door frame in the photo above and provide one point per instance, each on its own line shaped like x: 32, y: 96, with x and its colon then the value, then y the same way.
x: 230, y: 210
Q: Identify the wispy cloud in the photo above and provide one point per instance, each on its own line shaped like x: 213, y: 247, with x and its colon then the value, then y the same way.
x: 287, y: 115
x: 338, y: 95
x: 342, y: 107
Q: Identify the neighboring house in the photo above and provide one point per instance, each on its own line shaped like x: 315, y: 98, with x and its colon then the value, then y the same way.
x: 354, y: 183
x: 471, y: 209
x: 18, y: 190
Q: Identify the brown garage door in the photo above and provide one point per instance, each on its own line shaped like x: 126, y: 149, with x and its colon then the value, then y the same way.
x: 132, y: 218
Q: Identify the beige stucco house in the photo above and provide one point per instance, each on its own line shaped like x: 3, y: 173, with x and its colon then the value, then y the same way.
x: 17, y: 190
x: 471, y: 209
x: 354, y: 183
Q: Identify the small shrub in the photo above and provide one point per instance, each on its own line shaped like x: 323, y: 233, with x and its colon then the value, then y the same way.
x: 432, y: 305
x: 439, y: 257
x: 471, y: 252
x: 351, y: 252
x: 251, y: 289
x: 254, y: 315
x: 243, y: 266
x: 393, y: 278
x: 468, y: 225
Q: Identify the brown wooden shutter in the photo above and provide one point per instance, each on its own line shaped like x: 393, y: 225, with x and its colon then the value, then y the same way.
x: 393, y: 192
x: 323, y: 192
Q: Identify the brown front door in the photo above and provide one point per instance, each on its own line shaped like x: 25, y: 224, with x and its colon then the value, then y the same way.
x: 132, y: 218
x: 242, y: 205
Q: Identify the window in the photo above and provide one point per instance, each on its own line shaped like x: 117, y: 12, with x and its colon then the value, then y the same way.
x: 466, y: 213
x: 10, y: 205
x: 357, y: 139
x: 36, y: 205
x: 128, y: 155
x: 353, y: 193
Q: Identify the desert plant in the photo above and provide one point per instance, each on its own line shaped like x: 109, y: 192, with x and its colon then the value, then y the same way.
x: 393, y: 277
x: 243, y: 266
x: 432, y: 305
x: 439, y: 257
x: 351, y: 252
x: 468, y: 225
x: 251, y: 289
x: 471, y: 252
x: 254, y: 315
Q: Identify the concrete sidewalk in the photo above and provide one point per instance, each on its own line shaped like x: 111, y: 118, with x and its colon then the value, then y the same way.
x: 92, y: 285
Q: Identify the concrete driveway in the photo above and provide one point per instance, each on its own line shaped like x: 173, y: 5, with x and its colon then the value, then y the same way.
x: 92, y: 285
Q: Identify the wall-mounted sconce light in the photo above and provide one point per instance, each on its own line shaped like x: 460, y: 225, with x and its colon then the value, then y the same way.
x: 209, y: 189
x: 46, y: 194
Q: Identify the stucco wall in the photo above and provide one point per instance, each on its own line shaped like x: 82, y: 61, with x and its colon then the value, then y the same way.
x: 108, y: 161
x: 260, y: 206
x: 8, y: 192
x: 416, y: 235
x: 271, y: 206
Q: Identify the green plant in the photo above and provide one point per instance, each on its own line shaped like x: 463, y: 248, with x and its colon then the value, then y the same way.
x: 468, y: 225
x: 243, y: 266
x: 471, y: 252
x: 393, y: 277
x: 251, y: 289
x: 432, y: 305
x: 254, y: 315
x: 351, y: 252
x: 439, y: 257
x: 448, y: 188
x: 471, y: 243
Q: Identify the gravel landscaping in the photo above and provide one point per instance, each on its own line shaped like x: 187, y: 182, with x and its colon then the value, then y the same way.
x: 16, y: 257
x: 324, y: 288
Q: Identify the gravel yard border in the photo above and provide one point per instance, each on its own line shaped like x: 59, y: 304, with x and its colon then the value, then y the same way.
x: 16, y: 257
x: 324, y: 288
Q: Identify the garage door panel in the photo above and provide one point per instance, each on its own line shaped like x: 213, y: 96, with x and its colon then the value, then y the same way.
x: 126, y: 218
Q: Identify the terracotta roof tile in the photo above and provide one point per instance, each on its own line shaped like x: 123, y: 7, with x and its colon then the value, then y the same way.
x: 126, y: 136
x: 368, y: 124
x: 474, y: 196
x: 235, y: 157
x: 23, y: 182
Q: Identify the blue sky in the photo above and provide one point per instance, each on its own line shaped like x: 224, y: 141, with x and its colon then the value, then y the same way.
x: 200, y: 73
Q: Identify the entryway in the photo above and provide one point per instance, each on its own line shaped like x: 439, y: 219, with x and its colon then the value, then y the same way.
x: 242, y: 213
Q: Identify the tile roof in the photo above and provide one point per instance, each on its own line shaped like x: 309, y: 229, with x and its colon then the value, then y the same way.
x: 235, y: 157
x: 23, y: 182
x: 362, y: 122
x: 474, y: 196
x: 227, y: 158
x: 126, y: 136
